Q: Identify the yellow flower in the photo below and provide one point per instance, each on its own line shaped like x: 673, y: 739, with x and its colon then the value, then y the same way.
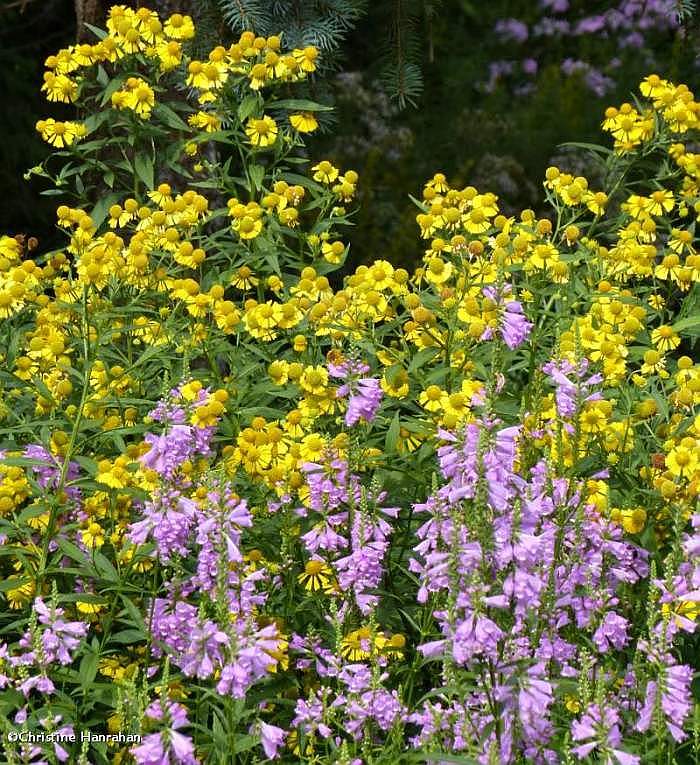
x: 306, y: 58
x: 356, y: 645
x: 59, y: 88
x: 244, y: 279
x: 206, y: 121
x: 333, y: 252
x: 324, y: 172
x: 93, y: 535
x: 653, y: 362
x: 261, y: 132
x: 18, y: 597
x: 314, y: 380
x: 304, y: 122
x: 169, y: 53
x: 179, y: 27
x: 317, y: 576
x: 89, y: 609
x: 140, y: 97
x: 664, y: 338
x: 312, y: 447
x: 279, y: 371
x: 682, y: 461
x: 433, y: 398
x: 60, y: 134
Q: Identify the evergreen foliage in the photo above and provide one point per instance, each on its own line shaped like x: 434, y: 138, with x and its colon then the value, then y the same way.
x: 323, y: 23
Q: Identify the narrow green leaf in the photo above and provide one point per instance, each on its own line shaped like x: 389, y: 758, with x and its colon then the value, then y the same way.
x: 392, y: 435
x: 300, y: 105
x: 143, y: 166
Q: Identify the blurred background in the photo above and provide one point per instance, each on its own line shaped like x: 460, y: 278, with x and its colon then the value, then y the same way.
x: 484, y: 92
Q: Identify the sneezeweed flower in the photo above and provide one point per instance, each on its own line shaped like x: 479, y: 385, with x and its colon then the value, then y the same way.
x: 324, y: 172
x: 304, y: 122
x: 665, y: 338
x: 317, y: 575
x: 207, y: 121
x: 262, y: 132
x: 60, y: 134
x: 136, y: 95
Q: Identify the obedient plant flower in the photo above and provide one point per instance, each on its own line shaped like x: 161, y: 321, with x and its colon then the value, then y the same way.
x: 598, y: 730
x: 169, y: 746
x: 513, y: 326
x: 572, y: 394
x: 364, y: 393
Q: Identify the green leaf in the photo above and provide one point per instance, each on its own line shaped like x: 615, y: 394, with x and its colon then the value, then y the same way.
x: 143, y: 166
x: 392, y: 434
x: 71, y: 550
x: 99, y: 33
x: 244, y: 743
x: 135, y: 614
x: 247, y: 107
x: 88, y: 669
x: 421, y: 358
x: 594, y: 147
x: 127, y: 636
x: 112, y: 87
x: 256, y: 173
x: 170, y: 117
x: 99, y: 211
x: 300, y: 105
x: 104, y: 567
x: 691, y: 323
x: 14, y: 582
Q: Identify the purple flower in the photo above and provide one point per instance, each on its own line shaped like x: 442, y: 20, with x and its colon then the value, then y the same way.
x: 477, y: 634
x: 570, y: 395
x: 169, y: 747
x: 511, y: 30
x: 534, y: 699
x: 676, y: 700
x: 365, y: 393
x: 59, y: 638
x: 48, y: 470
x: 42, y: 684
x: 513, y: 325
x: 169, y: 450
x: 599, y: 728
x: 530, y: 66
x: 612, y: 633
x: 168, y: 519
x: 271, y: 738
x: 555, y: 6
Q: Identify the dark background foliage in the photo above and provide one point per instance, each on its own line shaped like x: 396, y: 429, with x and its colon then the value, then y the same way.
x: 406, y: 77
